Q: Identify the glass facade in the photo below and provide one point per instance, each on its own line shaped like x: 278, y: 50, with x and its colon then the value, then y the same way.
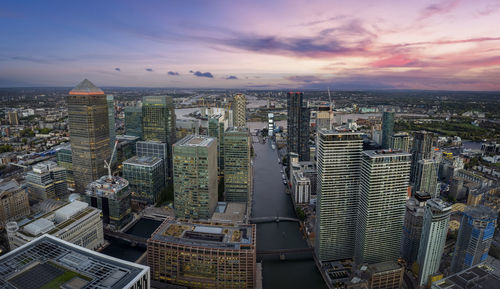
x: 237, y: 168
x: 298, y: 126
x: 239, y: 110
x: 133, y: 121
x: 153, y: 149
x: 387, y: 128
x: 146, y: 177
x: 65, y: 160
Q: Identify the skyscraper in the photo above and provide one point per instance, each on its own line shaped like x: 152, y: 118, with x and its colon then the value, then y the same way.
x: 433, y: 239
x: 387, y: 128
x: 240, y: 110
x: 89, y: 133
x: 474, y: 237
x: 133, y: 121
x: 237, y: 168
x: 426, y: 178
x: 298, y: 126
x: 381, y: 206
x: 339, y: 158
x: 146, y: 177
x: 195, y: 177
x: 154, y: 149
x: 323, y: 118
x: 217, y: 125
x: 158, y: 122
x: 111, y: 118
x: 413, y: 224
x: 401, y: 142
x: 421, y: 149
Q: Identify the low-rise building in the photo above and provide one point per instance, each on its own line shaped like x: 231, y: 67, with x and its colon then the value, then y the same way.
x: 14, y: 202
x: 484, y: 275
x: 47, y: 181
x: 301, y: 188
x: 203, y: 254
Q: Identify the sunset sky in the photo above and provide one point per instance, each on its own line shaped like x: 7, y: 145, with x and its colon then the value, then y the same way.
x: 450, y: 44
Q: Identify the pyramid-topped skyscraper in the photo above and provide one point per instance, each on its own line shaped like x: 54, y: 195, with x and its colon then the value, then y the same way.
x: 89, y: 133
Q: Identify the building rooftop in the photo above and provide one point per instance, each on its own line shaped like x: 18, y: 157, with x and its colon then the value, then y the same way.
x: 105, y: 187
x: 86, y: 88
x: 484, y: 275
x: 229, y: 212
x: 143, y: 161
x: 385, y: 153
x: 9, y: 186
x: 205, y: 234
x: 481, y: 212
x: 49, y: 260
x: 384, y: 267
x: 438, y: 204
x: 195, y: 140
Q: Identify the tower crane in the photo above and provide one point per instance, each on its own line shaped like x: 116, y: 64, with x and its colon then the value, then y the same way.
x: 108, y: 165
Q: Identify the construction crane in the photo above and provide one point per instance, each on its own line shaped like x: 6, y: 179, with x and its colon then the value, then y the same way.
x: 108, y: 165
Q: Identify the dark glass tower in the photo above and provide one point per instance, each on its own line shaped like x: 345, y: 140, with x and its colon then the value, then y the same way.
x: 298, y: 125
x: 387, y: 128
x: 89, y: 133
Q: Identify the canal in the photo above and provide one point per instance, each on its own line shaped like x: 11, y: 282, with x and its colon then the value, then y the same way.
x: 270, y: 199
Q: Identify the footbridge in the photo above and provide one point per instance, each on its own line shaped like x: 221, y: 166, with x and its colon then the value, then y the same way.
x: 276, y: 219
x: 283, y: 253
x: 132, y: 239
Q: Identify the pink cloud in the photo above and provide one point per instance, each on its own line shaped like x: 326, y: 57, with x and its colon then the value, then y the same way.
x: 399, y: 60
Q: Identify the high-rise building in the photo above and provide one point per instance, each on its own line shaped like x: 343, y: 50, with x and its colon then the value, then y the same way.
x: 323, y: 118
x: 270, y: 124
x: 237, y: 167
x: 401, y: 142
x: 339, y: 158
x: 47, y: 181
x: 146, y: 177
x: 65, y: 160
x: 381, y: 207
x: 298, y: 126
x: 240, y: 110
x: 426, y: 179
x: 474, y: 237
x: 437, y: 215
x: 112, y: 196
x: 13, y: 118
x: 420, y: 150
x: 89, y: 133
x: 387, y: 128
x: 158, y: 123
x: 154, y: 149
x: 203, y: 254
x: 133, y: 121
x: 14, y: 204
x: 217, y: 125
x: 413, y: 224
x: 49, y: 262
x: 111, y: 119
x: 195, y: 177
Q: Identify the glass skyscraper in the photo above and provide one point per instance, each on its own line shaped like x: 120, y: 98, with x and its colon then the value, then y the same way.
x: 237, y: 168
x: 146, y: 177
x: 387, y: 128
x: 298, y: 126
x: 133, y: 121
x: 89, y: 133
x: 154, y: 149
x: 239, y: 110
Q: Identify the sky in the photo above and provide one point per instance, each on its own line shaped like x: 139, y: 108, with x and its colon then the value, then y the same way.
x: 383, y: 44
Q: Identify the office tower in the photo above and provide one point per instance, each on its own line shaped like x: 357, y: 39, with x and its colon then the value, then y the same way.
x: 240, y: 110
x: 49, y: 262
x: 381, y: 207
x: 75, y: 222
x: 298, y: 126
x: 339, y: 158
x: 474, y: 237
x: 46, y: 181
x: 217, y: 125
x: 110, y: 100
x: 158, y: 123
x: 89, y: 133
x: 65, y: 160
x: 195, y: 177
x: 125, y: 148
x: 323, y: 118
x: 237, y: 167
x: 112, y: 197
x: 146, y: 177
x: 13, y: 118
x: 401, y: 142
x: 426, y: 179
x: 14, y: 204
x: 387, y: 128
x: 133, y: 121
x: 437, y: 215
x: 270, y: 124
x: 412, y: 228
x: 203, y: 254
x: 154, y: 149
x: 421, y: 149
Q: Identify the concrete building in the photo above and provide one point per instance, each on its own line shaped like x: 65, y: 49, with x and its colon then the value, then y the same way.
x: 270, y: 124
x: 240, y: 110
x: 133, y: 121
x: 146, y: 177
x: 401, y: 142
x: 112, y: 196
x: 158, y: 123
x: 154, y: 149
x: 385, y: 275
x: 75, y: 222
x: 46, y: 181
x: 203, y: 254
x: 483, y: 275
x: 412, y: 228
x: 474, y: 237
x: 14, y: 204
x: 298, y: 125
x: 238, y: 180
x: 89, y: 133
x: 381, y: 207
x: 301, y: 188
x: 339, y: 158
x: 387, y: 128
x: 324, y: 118
x: 435, y: 229
x: 13, y: 118
x: 49, y: 262
x: 426, y: 178
x: 195, y: 177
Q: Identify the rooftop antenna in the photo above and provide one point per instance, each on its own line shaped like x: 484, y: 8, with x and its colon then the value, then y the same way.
x: 108, y: 165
